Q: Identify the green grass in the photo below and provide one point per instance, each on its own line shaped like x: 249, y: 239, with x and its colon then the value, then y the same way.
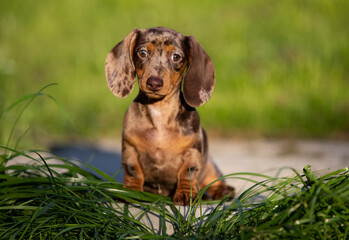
x: 37, y: 202
x: 282, y: 67
x: 43, y: 199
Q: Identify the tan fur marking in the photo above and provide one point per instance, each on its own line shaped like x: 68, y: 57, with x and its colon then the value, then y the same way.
x: 172, y: 142
x: 170, y: 48
x: 188, y: 174
x: 176, y: 76
x: 150, y: 47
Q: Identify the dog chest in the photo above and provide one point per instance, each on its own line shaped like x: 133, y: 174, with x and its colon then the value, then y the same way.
x: 160, y: 142
x: 160, y: 167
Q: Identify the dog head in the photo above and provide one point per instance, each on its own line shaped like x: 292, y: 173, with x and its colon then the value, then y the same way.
x: 160, y: 57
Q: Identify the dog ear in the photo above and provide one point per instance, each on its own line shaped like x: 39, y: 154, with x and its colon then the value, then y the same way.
x: 119, y: 67
x: 199, y: 79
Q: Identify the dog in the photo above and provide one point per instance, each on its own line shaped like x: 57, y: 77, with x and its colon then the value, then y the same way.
x: 164, y: 147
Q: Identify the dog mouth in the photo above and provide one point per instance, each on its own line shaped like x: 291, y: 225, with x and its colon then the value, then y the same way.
x: 154, y: 94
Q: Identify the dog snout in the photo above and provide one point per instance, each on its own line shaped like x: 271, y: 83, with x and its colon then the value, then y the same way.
x: 154, y: 84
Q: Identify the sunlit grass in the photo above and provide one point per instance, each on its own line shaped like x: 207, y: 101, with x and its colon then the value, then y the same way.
x: 281, y: 67
x: 37, y: 201
x: 43, y: 196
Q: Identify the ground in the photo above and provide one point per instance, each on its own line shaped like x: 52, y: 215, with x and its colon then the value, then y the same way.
x: 232, y: 156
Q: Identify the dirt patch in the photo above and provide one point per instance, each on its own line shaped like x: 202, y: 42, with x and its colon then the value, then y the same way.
x: 270, y: 157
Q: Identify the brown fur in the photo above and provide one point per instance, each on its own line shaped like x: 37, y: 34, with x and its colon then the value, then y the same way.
x: 164, y: 147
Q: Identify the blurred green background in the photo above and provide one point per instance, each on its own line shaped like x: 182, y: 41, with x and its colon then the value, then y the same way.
x: 282, y: 67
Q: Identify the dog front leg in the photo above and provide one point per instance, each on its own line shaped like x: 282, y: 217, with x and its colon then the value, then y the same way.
x: 187, y: 178
x: 134, y: 177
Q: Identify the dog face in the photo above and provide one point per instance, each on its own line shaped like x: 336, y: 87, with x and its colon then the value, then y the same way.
x: 159, y: 57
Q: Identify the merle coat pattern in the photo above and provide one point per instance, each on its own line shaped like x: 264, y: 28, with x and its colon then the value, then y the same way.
x: 164, y: 147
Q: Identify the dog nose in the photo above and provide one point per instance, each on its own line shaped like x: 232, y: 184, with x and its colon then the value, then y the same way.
x: 154, y: 84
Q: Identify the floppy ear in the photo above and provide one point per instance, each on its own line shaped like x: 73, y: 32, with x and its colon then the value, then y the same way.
x: 199, y: 79
x: 119, y: 68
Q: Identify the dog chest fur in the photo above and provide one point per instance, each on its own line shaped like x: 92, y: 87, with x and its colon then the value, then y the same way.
x: 161, y: 144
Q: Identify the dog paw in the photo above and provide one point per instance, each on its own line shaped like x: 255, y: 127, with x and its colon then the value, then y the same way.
x: 183, y: 198
x: 223, y: 191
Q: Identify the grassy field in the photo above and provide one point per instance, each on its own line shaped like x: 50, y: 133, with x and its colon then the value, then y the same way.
x: 282, y: 67
x: 43, y: 196
x: 39, y: 201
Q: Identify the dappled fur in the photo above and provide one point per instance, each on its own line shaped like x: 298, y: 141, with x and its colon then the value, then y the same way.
x: 164, y: 147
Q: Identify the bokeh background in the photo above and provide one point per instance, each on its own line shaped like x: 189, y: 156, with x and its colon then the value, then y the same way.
x: 282, y: 67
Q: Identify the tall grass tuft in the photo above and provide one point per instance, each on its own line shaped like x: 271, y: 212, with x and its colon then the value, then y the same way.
x: 46, y: 200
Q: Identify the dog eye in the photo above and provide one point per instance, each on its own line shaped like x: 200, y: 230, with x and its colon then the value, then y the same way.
x: 143, y: 53
x: 176, y: 57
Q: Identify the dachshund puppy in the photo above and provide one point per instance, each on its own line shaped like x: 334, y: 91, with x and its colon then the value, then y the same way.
x: 164, y: 147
